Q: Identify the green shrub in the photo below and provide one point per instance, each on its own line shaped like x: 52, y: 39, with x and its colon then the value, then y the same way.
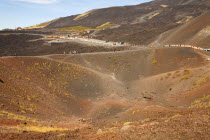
x: 194, y: 83
x: 186, y: 72
x: 184, y: 78
x: 169, y: 74
x: 154, y: 62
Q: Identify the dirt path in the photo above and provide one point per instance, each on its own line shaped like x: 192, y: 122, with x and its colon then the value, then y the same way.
x: 196, y: 49
x: 203, y: 54
x: 91, y: 42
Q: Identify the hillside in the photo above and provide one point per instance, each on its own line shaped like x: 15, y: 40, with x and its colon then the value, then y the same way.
x: 135, y: 14
x: 34, y: 45
x: 69, y: 92
x: 56, y: 85
x: 140, y: 24
x: 42, y: 25
x: 195, y: 33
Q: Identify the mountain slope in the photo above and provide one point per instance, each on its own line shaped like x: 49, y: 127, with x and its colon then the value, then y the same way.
x: 89, y: 89
x: 42, y: 25
x: 139, y: 24
x: 131, y: 14
x: 196, y: 33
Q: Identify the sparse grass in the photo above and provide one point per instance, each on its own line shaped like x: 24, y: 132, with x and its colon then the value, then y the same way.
x: 202, y: 102
x: 27, y: 78
x: 169, y: 74
x: 84, y: 29
x: 50, y: 84
x: 42, y: 25
x: 153, y: 15
x: 128, y: 123
x: 76, y: 28
x: 2, y: 105
x: 164, y: 6
x: 186, y: 72
x: 23, y: 112
x: 41, y: 129
x: 154, y: 62
x: 81, y: 16
x: 194, y: 83
x: 185, y: 78
x: 204, y: 81
x: 105, y: 25
x: 177, y: 116
x: 16, y: 117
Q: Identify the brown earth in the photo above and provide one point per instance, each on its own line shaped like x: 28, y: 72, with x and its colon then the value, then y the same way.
x: 185, y: 124
x: 160, y: 93
x: 147, y: 91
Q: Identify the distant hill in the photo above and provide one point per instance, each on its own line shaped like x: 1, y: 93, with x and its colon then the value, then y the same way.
x: 42, y: 25
x: 139, y: 24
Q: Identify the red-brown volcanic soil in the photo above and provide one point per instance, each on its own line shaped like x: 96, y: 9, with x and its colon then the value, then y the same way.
x: 139, y: 94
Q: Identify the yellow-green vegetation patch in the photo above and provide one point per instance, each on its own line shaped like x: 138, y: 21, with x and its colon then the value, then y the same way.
x: 76, y: 28
x: 16, y: 117
x: 186, y: 72
x: 185, y: 20
x: 105, y: 25
x: 41, y: 129
x: 83, y: 29
x: 169, y: 74
x: 42, y: 25
x: 153, y: 15
x: 128, y: 123
x: 178, y: 75
x: 204, y: 80
x: 60, y: 75
x: 194, y: 83
x: 164, y: 6
x: 81, y: 16
x: 29, y: 108
x: 177, y: 116
x: 202, y: 102
x: 154, y: 62
x: 185, y: 78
